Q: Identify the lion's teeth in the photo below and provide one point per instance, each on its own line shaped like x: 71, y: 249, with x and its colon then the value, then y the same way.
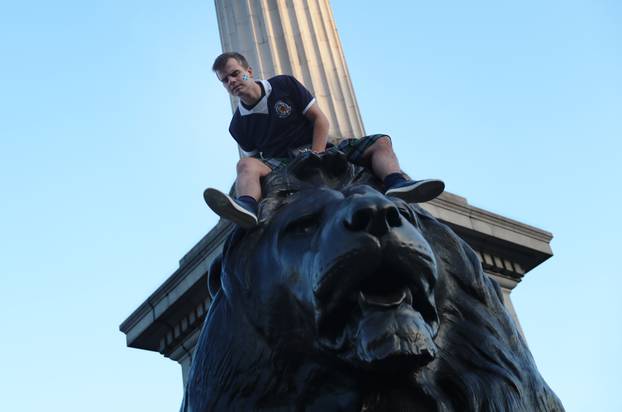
x: 409, y: 297
x: 388, y: 300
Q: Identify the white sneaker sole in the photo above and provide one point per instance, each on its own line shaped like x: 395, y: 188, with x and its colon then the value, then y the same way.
x: 225, y: 207
x: 421, y: 192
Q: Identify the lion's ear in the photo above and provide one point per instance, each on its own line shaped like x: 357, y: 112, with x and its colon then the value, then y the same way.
x: 213, y: 275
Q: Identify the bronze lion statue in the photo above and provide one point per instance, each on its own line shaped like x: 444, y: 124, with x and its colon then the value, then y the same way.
x: 342, y: 299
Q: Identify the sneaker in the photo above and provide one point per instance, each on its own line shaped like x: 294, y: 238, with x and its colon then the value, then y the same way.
x: 417, y: 191
x: 229, y: 208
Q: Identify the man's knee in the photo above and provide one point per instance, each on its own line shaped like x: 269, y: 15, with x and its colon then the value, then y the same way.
x: 252, y: 166
x: 382, y: 144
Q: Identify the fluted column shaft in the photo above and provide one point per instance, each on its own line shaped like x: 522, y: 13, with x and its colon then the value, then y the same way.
x: 296, y: 37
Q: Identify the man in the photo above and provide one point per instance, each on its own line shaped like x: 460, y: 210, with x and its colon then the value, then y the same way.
x: 278, y: 117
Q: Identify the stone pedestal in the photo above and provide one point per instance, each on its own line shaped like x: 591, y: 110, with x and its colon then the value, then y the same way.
x: 170, y: 320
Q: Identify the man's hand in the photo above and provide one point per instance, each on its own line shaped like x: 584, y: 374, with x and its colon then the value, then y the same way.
x: 305, y: 162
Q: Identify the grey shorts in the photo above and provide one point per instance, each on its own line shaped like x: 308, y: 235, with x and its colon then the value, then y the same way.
x: 353, y: 149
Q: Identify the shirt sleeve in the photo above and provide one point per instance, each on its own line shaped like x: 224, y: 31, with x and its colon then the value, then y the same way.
x: 245, y: 153
x: 302, y: 94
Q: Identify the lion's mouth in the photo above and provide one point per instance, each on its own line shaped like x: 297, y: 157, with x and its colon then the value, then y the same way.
x: 368, y: 300
x: 379, y: 306
x: 386, y: 288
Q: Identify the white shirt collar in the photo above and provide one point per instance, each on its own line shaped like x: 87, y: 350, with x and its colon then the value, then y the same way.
x: 262, y: 104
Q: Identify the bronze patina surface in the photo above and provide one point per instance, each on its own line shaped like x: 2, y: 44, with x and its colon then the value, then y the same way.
x: 345, y: 299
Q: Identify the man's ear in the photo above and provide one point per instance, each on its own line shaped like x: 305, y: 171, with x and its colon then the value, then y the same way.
x: 250, y: 72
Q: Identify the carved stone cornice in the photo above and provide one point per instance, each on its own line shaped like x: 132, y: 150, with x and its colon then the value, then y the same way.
x: 167, y: 314
x: 506, y: 247
x: 455, y: 210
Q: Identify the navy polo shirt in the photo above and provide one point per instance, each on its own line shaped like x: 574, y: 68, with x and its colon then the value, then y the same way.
x: 277, y: 123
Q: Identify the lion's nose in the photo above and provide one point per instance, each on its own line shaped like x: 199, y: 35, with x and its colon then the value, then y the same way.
x: 375, y: 215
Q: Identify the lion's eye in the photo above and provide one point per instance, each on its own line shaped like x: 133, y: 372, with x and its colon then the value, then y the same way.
x: 287, y: 193
x: 406, y: 212
x: 304, y: 225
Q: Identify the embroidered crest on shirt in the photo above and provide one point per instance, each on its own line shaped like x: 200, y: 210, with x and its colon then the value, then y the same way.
x: 282, y: 109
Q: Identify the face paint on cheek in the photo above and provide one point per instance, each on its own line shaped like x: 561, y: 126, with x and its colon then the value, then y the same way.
x: 245, y: 77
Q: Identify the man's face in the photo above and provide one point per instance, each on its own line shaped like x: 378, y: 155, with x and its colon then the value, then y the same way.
x: 236, y: 79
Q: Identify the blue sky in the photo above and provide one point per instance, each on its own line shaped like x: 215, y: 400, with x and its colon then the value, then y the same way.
x: 112, y: 124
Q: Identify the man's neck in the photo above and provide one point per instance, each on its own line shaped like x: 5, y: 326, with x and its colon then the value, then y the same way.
x: 253, y: 96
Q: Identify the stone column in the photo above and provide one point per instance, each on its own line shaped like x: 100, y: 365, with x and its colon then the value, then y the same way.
x: 296, y: 37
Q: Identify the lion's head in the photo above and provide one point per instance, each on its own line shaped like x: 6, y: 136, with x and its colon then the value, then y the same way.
x: 344, y: 299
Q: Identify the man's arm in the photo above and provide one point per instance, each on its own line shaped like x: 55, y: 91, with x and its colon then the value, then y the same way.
x: 244, y: 153
x: 320, y: 127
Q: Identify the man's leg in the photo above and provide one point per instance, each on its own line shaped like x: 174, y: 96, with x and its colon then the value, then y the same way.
x: 382, y: 158
x: 385, y: 166
x: 243, y: 209
x: 250, y: 171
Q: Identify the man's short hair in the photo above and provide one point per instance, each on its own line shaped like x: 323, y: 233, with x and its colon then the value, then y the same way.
x: 221, y: 60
